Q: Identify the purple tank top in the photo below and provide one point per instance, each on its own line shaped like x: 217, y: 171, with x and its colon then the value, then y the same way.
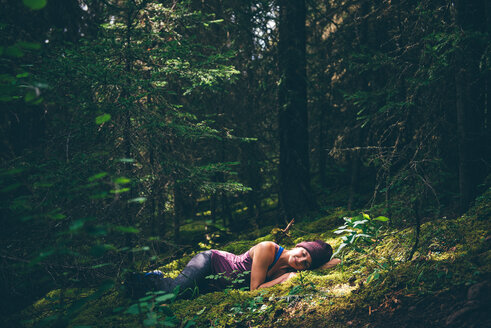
x: 231, y: 265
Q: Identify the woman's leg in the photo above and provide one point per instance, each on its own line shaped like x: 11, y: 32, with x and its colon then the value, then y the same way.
x: 192, y: 276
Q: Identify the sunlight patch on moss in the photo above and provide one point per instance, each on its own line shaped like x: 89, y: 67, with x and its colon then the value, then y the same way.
x: 451, y: 253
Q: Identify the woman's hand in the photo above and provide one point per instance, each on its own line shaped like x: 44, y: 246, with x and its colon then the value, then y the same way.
x: 331, y: 264
x: 289, y: 275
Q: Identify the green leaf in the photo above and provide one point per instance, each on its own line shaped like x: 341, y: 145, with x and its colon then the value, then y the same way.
x: 340, y: 248
x: 140, y: 249
x: 164, y: 298
x: 42, y: 185
x: 29, y: 45
x: 99, y: 250
x: 215, y: 21
x: 168, y: 322
x: 146, y: 298
x: 119, y: 191
x: 77, y: 224
x: 126, y: 160
x: 13, y: 51
x: 6, y: 98
x: 122, y: 180
x: 97, y: 176
x: 382, y: 218
x: 11, y: 187
x: 56, y: 215
x: 151, y: 319
x: 21, y: 75
x: 118, y: 309
x: 102, y: 118
x: 363, y: 235
x: 359, y: 222
x: 138, y: 200
x: 35, y: 4
x: 342, y: 231
x: 100, y: 195
x: 353, y: 239
x: 127, y: 229
x: 134, y: 309
x: 30, y: 96
x: 97, y: 266
x: 37, y: 101
x: 190, y: 323
x: 11, y: 171
x: 374, y: 276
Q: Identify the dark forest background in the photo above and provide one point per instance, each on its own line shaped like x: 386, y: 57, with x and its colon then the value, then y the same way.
x: 134, y: 130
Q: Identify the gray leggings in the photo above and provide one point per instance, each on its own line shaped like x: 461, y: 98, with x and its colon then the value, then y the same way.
x: 192, y: 277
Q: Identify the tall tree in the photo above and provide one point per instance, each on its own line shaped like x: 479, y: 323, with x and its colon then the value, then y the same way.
x: 295, y: 191
x: 470, y: 93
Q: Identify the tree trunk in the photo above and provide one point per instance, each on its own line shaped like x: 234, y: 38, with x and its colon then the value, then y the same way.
x: 128, y: 208
x: 178, y: 212
x: 322, y: 144
x: 461, y: 134
x: 353, y: 186
x: 470, y: 92
x: 294, y: 170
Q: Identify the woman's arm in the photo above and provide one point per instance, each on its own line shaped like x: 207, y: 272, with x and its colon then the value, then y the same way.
x: 263, y: 256
x: 278, y: 280
x: 331, y: 264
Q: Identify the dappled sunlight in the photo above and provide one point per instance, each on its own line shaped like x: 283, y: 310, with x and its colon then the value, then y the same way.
x: 147, y: 146
x: 316, y: 296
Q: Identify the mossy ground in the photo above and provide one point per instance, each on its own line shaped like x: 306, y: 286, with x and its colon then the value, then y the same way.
x: 379, y: 289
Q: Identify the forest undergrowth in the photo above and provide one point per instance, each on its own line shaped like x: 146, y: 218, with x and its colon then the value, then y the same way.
x: 445, y: 284
x: 136, y: 133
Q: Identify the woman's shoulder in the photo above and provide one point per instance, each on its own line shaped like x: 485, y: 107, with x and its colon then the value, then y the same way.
x: 263, y: 247
x: 267, y: 245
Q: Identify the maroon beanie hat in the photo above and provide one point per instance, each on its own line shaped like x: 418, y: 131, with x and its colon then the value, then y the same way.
x: 319, y: 251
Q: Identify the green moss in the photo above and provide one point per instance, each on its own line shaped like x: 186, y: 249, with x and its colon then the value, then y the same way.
x: 485, y: 261
x: 482, y: 208
x: 326, y: 223
x: 213, y: 308
x: 268, y: 237
x: 239, y: 247
x: 53, y: 305
x: 451, y: 254
x: 172, y: 269
x: 107, y: 311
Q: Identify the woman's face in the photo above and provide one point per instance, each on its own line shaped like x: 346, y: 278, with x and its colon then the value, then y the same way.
x: 299, y: 259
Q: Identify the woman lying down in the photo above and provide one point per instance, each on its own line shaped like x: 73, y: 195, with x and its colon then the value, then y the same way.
x: 264, y: 265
